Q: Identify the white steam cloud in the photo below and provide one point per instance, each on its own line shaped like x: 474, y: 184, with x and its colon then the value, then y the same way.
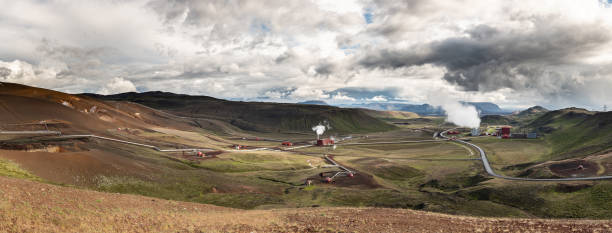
x: 320, y: 128
x: 457, y: 113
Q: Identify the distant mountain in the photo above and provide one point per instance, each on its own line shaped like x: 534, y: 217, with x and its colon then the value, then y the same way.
x: 423, y: 109
x: 515, y: 119
x: 498, y: 120
x: 314, y: 102
x: 535, y: 110
x: 485, y: 108
x: 256, y: 116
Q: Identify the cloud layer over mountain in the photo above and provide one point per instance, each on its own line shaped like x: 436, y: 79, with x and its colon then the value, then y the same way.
x: 555, y: 53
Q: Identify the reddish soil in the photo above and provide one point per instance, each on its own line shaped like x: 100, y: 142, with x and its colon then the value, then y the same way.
x: 22, y: 107
x: 214, y: 153
x: 76, y: 168
x: 193, y: 156
x: 27, y: 206
x: 359, y: 180
x: 56, y: 146
x: 575, y: 168
x: 244, y: 147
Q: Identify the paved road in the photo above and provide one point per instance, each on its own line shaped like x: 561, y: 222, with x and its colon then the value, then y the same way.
x: 488, y: 169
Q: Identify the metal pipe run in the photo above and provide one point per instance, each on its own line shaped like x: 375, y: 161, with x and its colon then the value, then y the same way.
x: 32, y: 132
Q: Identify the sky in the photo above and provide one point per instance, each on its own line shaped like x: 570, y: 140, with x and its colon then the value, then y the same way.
x: 554, y: 53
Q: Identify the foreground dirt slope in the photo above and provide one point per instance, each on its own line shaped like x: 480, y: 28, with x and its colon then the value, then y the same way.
x: 27, y: 206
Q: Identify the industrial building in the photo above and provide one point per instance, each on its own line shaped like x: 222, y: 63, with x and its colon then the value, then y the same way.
x: 325, y: 142
x: 504, y: 132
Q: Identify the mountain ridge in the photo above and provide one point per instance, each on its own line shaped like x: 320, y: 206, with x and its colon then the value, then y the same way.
x: 256, y: 116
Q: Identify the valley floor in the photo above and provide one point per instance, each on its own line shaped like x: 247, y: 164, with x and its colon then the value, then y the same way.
x: 28, y: 206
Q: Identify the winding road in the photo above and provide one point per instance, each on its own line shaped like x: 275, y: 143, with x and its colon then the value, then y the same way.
x: 489, y: 169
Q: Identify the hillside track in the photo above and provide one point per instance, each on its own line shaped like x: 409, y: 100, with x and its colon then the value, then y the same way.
x: 75, y: 136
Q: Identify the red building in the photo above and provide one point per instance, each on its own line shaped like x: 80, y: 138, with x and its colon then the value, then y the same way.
x: 325, y: 142
x: 505, y: 132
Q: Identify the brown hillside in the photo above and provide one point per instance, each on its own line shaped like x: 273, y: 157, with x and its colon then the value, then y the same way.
x: 23, y: 106
x: 27, y: 206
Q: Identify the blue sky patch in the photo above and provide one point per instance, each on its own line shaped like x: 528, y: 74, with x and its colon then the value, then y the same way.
x: 368, y: 16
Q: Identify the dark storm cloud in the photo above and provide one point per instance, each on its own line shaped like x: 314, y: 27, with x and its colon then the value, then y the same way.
x: 325, y: 68
x: 490, y: 58
x: 286, y: 56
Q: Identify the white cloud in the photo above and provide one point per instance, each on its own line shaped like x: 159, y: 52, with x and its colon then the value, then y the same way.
x: 241, y: 49
x: 340, y: 6
x: 342, y: 97
x: 117, y: 85
x: 304, y: 93
x: 273, y: 94
x: 47, y: 75
x: 378, y: 98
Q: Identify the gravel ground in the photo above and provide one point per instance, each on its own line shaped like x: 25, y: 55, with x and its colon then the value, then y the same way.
x: 27, y: 206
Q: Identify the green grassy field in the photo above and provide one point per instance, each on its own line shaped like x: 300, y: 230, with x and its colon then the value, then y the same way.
x: 11, y: 169
x: 259, y: 161
x: 436, y: 176
x: 430, y: 176
x: 509, y: 152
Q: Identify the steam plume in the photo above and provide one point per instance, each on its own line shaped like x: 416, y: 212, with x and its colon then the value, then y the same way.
x: 320, y: 128
x: 457, y: 113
